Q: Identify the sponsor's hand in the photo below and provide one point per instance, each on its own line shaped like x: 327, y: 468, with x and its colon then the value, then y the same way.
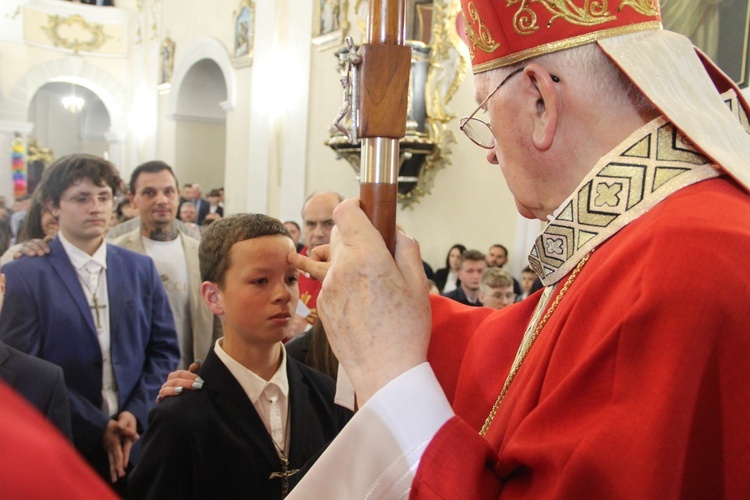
x: 34, y: 248
x: 179, y: 380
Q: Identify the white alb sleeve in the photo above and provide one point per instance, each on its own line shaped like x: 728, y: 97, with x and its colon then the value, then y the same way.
x: 377, y: 453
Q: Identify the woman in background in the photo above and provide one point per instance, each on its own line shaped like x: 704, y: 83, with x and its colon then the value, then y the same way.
x: 446, y: 278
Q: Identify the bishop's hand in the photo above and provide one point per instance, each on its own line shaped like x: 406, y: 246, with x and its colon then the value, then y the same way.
x: 375, y: 307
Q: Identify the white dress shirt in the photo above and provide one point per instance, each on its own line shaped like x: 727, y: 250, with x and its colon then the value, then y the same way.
x: 95, y: 284
x: 270, y: 398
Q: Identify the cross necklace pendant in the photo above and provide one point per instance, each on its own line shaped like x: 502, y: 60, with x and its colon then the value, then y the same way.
x: 285, y: 473
x: 95, y: 308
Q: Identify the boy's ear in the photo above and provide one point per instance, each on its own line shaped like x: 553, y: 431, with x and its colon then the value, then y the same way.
x: 212, y: 297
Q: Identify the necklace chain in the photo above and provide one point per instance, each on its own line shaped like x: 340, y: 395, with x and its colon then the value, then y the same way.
x: 525, y: 352
x: 95, y: 308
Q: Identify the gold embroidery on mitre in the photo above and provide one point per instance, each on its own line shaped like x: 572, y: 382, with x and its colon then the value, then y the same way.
x: 567, y: 43
x: 483, y: 41
x: 645, y: 7
x: 592, y: 12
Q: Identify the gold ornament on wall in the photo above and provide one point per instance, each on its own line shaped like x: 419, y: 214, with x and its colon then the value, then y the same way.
x: 74, y: 33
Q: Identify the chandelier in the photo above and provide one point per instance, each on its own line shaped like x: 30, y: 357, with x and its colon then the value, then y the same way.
x: 72, y: 102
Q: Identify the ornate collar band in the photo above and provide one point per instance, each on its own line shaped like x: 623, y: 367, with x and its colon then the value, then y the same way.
x: 651, y: 164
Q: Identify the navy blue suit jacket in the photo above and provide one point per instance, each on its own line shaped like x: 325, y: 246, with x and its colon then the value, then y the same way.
x: 47, y: 315
x: 41, y: 383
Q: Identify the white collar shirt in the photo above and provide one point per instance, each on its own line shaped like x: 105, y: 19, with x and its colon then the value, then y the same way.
x: 270, y: 398
x: 94, y: 284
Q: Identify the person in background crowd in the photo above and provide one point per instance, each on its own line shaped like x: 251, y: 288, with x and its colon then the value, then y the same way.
x: 498, y: 257
x: 446, y: 278
x: 296, y: 233
x: 471, y: 265
x: 153, y: 188
x: 317, y: 216
x: 201, y: 204
x: 528, y: 277
x: 496, y: 288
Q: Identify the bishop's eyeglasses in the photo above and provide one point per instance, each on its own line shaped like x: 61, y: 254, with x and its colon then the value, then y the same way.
x: 479, y: 131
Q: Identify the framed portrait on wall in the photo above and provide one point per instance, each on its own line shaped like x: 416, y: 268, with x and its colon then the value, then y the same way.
x: 244, y: 29
x: 720, y: 28
x: 330, y: 23
x: 166, y: 62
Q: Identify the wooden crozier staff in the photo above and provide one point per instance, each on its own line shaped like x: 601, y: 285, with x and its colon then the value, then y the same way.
x: 383, y: 99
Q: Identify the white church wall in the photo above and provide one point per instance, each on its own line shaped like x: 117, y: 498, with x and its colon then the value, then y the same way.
x: 203, y: 160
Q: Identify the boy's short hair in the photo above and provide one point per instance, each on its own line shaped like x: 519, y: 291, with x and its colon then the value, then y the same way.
x: 72, y: 169
x: 528, y: 269
x: 220, y: 236
x: 471, y: 255
x: 495, y: 277
x: 151, y: 167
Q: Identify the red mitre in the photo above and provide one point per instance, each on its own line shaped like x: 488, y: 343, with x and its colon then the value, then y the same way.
x: 503, y: 32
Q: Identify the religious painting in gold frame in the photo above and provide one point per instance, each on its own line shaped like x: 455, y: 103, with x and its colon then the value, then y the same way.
x: 244, y: 29
x: 330, y: 23
x: 166, y: 61
x: 720, y: 28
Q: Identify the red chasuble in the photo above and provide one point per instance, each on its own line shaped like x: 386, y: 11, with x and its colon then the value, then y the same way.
x: 309, y: 289
x: 36, y: 461
x: 638, y: 386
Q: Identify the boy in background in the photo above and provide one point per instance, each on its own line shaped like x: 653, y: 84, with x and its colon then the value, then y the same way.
x: 496, y: 288
x: 260, y: 415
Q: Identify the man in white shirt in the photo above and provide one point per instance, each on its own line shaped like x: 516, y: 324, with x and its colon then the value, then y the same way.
x: 153, y: 192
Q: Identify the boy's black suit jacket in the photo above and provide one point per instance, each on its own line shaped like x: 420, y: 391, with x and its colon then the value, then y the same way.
x: 211, y: 443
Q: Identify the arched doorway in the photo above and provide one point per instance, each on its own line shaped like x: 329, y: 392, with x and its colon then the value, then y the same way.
x: 64, y: 127
x: 200, y: 125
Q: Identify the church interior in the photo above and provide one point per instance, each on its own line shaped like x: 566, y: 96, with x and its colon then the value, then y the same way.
x: 242, y: 94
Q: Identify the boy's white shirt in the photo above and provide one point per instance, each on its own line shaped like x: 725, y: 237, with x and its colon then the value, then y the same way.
x: 270, y: 398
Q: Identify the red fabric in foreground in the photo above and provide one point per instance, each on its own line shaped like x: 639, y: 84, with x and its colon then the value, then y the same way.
x: 36, y: 461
